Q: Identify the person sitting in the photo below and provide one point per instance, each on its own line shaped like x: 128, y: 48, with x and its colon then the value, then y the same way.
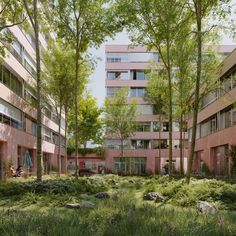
x: 18, y: 171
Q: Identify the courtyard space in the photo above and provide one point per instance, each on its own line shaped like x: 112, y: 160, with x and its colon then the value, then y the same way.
x: 114, y: 205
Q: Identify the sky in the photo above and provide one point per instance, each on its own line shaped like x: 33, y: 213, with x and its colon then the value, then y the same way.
x: 97, y: 79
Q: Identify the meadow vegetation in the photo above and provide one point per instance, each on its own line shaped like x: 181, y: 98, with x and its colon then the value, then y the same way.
x: 38, y: 208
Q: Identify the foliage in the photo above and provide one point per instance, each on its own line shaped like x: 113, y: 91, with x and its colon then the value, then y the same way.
x: 89, y: 121
x: 120, y: 116
x: 233, y: 156
x: 98, y: 150
x: 11, y: 14
x: 124, y: 213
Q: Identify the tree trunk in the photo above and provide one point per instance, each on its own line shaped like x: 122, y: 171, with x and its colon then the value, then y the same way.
x: 76, y: 99
x: 39, y: 114
x: 198, y: 12
x: 159, y: 149
x: 59, y: 144
x: 66, y: 141
x: 181, y: 144
x: 170, y: 108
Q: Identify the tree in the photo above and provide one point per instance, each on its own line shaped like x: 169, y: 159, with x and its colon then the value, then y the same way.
x: 156, y: 24
x: 184, y: 55
x: 82, y: 23
x: 58, y: 83
x: 11, y: 14
x: 32, y: 10
x: 201, y: 10
x: 120, y: 117
x: 89, y: 121
x: 157, y: 93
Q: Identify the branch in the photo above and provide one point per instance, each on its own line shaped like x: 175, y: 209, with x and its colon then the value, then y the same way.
x: 28, y: 13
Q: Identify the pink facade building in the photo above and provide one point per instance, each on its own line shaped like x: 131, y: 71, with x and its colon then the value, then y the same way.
x: 127, y: 66
x: 17, y: 109
x: 216, y: 129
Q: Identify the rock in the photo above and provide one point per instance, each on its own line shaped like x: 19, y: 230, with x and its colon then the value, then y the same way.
x: 153, y: 196
x: 87, y: 204
x: 97, y: 179
x: 206, y: 207
x: 102, y: 195
x: 73, y: 205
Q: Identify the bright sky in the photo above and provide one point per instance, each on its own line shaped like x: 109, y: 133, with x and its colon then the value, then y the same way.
x: 97, y: 79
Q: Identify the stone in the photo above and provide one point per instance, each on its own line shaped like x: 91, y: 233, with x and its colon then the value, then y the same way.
x: 206, y: 207
x: 153, y: 196
x: 73, y: 205
x: 87, y: 204
x: 102, y: 195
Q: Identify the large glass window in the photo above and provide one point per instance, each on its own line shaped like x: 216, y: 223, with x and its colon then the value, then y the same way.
x: 137, y: 92
x: 143, y: 126
x: 11, y: 115
x: 130, y: 165
x: 117, y: 57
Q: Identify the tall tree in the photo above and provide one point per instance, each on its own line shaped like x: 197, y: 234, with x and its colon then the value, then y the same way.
x: 201, y: 10
x: 156, y: 24
x: 120, y: 117
x: 157, y: 93
x: 32, y: 9
x: 58, y: 82
x: 82, y: 23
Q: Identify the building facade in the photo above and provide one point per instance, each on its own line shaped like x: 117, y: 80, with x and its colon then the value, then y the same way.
x: 147, y: 151
x: 17, y: 109
x: 216, y: 129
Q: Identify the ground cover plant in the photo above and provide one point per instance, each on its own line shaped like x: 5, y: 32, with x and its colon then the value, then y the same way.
x: 32, y: 208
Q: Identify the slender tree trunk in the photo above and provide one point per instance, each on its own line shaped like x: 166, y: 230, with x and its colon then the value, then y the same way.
x: 76, y: 99
x: 181, y: 144
x: 159, y: 149
x: 39, y: 110
x: 59, y: 144
x: 122, y: 150
x: 198, y: 12
x: 66, y: 157
x: 170, y: 108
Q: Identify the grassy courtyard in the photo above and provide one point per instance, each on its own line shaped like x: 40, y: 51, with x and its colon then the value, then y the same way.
x: 31, y: 208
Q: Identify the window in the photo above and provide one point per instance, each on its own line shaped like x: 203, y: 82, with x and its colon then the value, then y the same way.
x: 118, y: 75
x: 117, y: 57
x: 34, y: 128
x: 130, y: 165
x: 143, y: 126
x: 111, y: 76
x: 140, y: 57
x: 6, y: 77
x: 156, y: 126
x: 145, y: 109
x: 47, y: 134
x: 165, y: 126
x: 11, y: 115
x: 159, y: 143
x: 140, y: 144
x: 137, y: 92
x: 111, y: 91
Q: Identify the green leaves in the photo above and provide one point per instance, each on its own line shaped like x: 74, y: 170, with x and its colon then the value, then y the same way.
x: 120, y: 115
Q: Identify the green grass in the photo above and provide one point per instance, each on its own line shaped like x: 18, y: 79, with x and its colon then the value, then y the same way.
x: 40, y: 209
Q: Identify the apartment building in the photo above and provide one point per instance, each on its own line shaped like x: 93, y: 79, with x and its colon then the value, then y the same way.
x: 216, y: 129
x: 17, y: 109
x: 147, y: 151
